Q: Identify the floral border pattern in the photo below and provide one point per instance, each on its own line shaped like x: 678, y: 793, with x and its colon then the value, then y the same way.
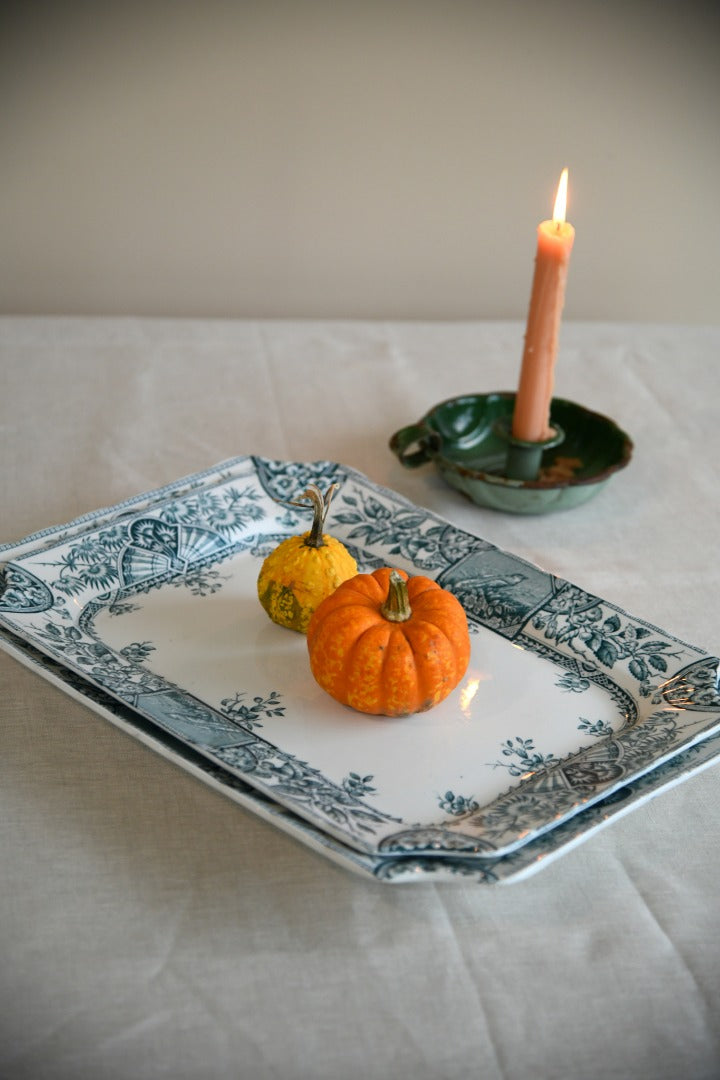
x: 182, y: 535
x: 388, y: 869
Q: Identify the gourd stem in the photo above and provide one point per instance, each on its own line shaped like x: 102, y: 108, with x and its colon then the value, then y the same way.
x: 397, y: 606
x: 320, y: 507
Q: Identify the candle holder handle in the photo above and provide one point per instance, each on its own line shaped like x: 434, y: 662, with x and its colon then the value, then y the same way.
x: 468, y: 440
x: 524, y: 457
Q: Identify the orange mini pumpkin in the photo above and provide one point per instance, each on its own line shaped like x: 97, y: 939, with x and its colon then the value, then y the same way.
x: 387, y: 644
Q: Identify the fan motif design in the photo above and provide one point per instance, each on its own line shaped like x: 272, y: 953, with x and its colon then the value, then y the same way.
x: 157, y: 548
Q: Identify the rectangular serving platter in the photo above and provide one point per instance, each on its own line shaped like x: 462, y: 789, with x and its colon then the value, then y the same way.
x: 403, y: 869
x: 571, y: 711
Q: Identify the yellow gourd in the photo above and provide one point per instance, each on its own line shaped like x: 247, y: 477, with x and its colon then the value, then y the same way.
x: 303, y: 570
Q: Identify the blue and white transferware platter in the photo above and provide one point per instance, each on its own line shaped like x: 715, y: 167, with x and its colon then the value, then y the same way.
x: 571, y: 710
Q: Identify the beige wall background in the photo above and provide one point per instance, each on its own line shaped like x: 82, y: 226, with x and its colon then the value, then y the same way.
x: 371, y: 159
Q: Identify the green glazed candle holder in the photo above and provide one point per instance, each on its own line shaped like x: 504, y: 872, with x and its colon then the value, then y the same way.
x: 469, y: 441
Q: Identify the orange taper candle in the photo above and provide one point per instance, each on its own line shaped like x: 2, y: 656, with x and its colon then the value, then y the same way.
x: 532, y: 402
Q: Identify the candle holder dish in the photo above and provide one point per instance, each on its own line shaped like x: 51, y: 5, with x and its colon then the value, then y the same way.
x: 469, y: 440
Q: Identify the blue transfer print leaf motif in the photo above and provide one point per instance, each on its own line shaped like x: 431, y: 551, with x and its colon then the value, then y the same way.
x: 600, y: 728
x: 201, y: 581
x: 527, y: 760
x: 457, y: 804
x: 606, y: 637
x: 192, y: 529
x: 573, y: 683
x: 121, y: 673
x: 248, y: 716
x: 137, y: 651
x: 231, y: 510
x: 399, y: 531
x: 305, y: 786
x: 358, y: 785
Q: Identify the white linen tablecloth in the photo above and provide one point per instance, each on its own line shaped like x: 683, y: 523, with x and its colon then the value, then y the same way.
x: 149, y: 927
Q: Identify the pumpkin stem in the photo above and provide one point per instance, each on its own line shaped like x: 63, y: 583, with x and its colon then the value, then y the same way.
x: 320, y: 507
x: 397, y: 606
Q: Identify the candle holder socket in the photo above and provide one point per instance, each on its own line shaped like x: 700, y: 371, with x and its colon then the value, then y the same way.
x: 524, y: 458
x: 469, y: 440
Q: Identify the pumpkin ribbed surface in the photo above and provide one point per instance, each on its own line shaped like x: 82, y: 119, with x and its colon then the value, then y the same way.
x: 388, y: 665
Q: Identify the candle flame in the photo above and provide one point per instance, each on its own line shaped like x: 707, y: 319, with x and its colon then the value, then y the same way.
x: 561, y: 199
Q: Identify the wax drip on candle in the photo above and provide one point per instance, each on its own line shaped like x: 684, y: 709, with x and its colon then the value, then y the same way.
x: 532, y: 404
